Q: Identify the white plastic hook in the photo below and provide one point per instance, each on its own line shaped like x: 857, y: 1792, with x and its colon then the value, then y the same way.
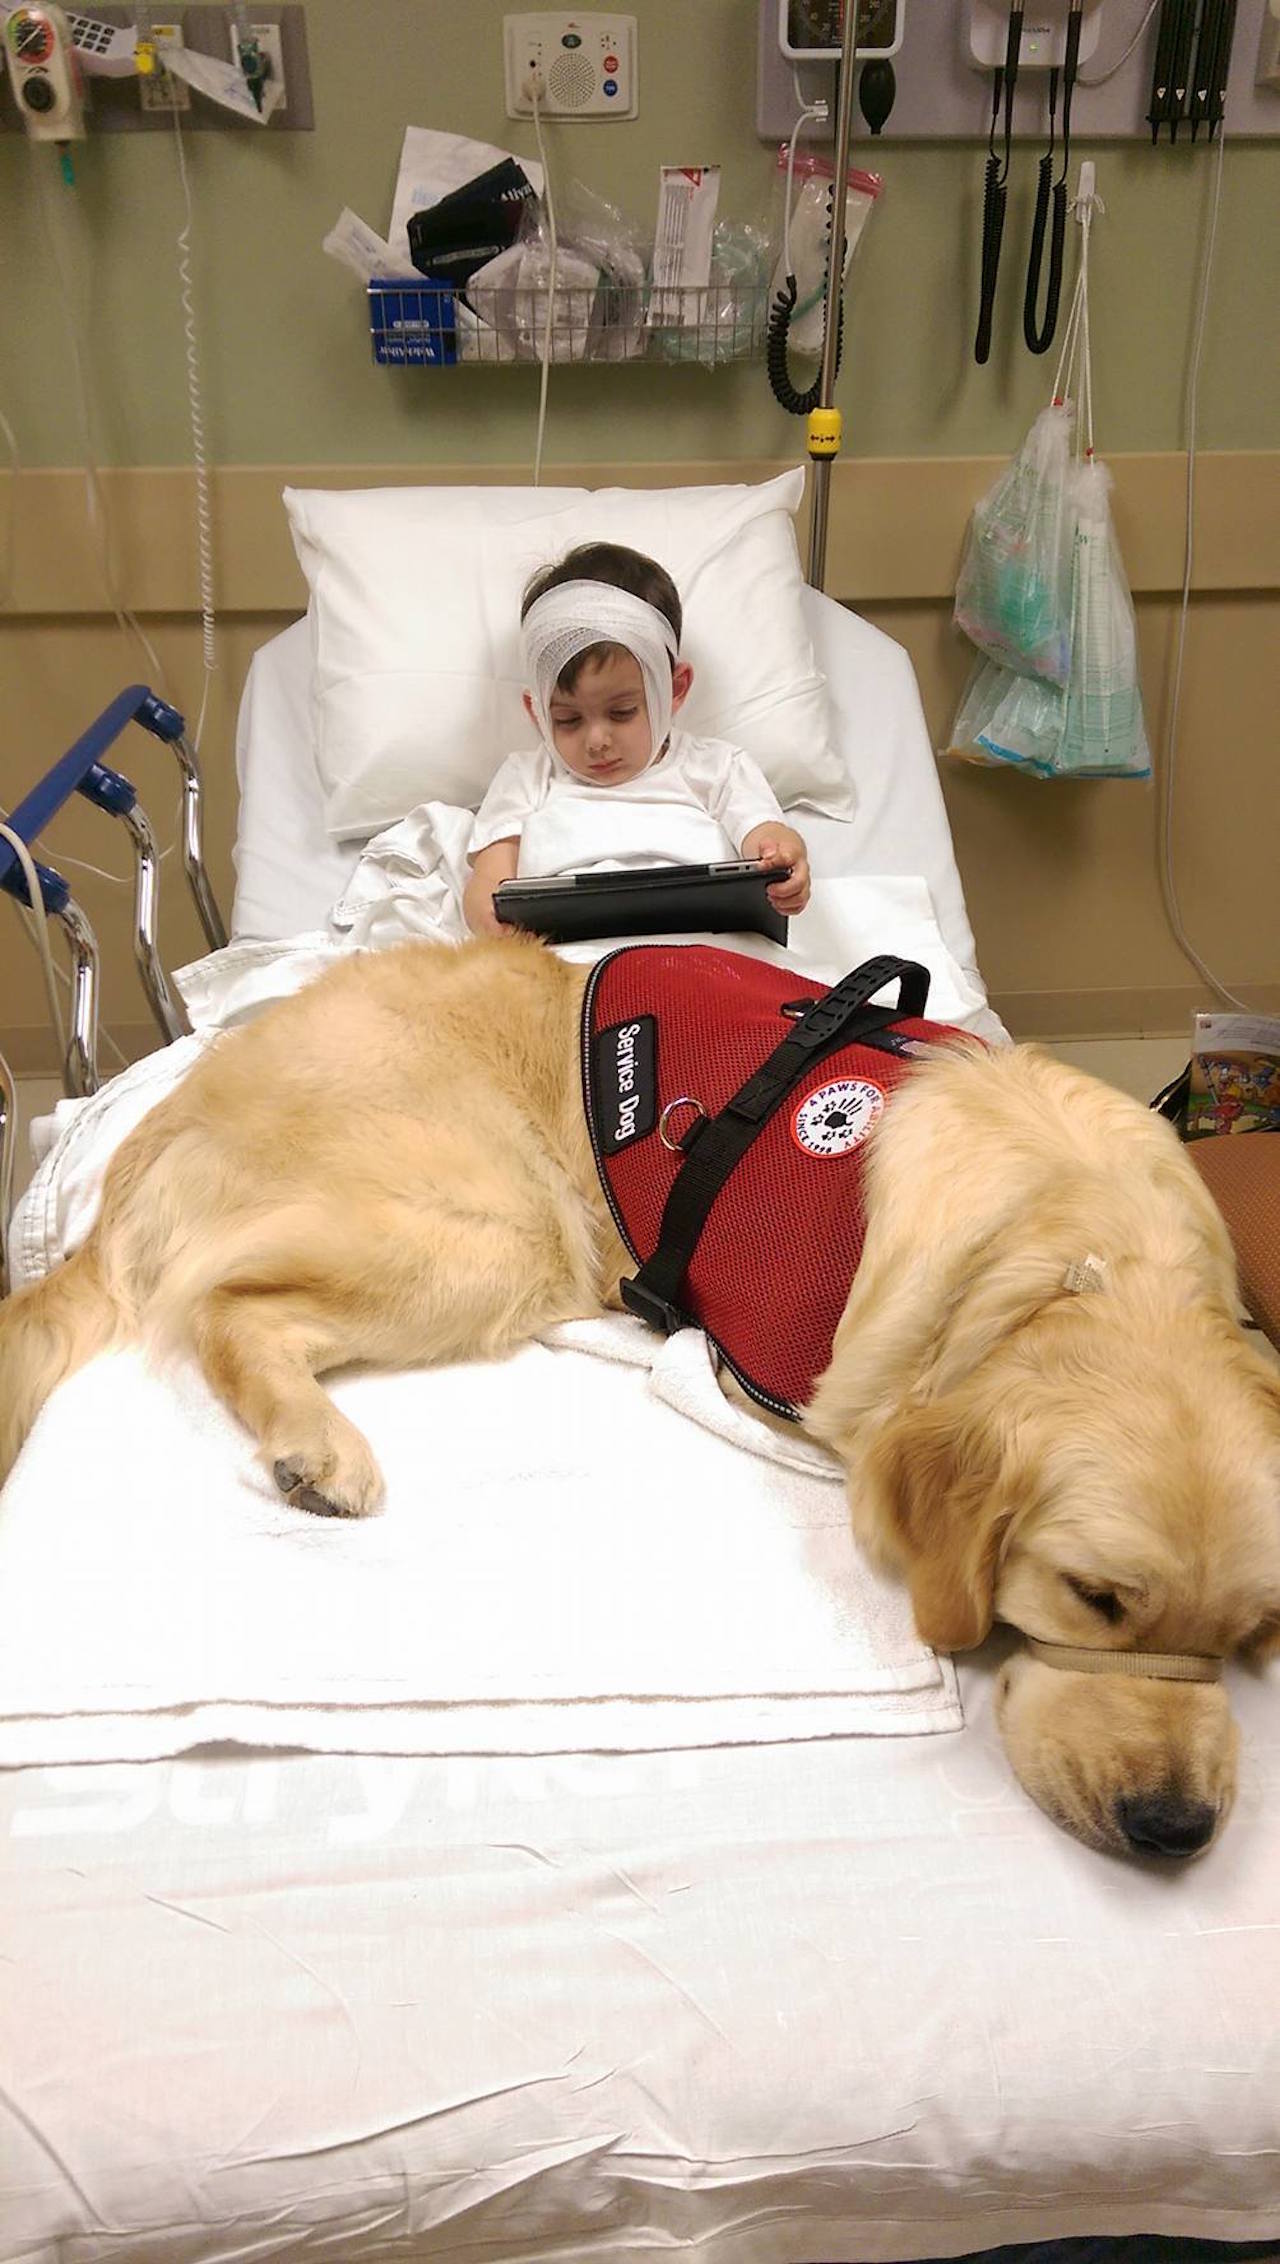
x: 1086, y: 202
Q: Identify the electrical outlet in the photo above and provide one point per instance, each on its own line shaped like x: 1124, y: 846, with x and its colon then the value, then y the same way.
x: 270, y: 39
x: 159, y: 89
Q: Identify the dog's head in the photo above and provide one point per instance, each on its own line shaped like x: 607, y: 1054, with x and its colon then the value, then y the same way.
x: 1091, y: 1497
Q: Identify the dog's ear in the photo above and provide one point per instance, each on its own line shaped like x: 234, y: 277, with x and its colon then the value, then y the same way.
x: 940, y: 1472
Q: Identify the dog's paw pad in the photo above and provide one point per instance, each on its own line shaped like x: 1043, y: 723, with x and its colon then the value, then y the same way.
x: 318, y: 1504
x: 330, y: 1491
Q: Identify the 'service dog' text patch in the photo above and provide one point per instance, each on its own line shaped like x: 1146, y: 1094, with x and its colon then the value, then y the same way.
x: 624, y: 1066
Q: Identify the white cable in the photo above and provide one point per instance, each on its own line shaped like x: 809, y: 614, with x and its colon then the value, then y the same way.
x: 11, y: 516
x: 95, y: 502
x: 808, y: 110
x: 195, y: 402
x: 548, y: 199
x: 117, y: 880
x: 1168, y: 886
x: 34, y: 912
x: 1121, y: 60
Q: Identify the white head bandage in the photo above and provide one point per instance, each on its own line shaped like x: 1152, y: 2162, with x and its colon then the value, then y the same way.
x: 577, y: 614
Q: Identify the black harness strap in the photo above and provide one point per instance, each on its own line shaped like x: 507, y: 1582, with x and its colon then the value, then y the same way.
x: 715, y: 1145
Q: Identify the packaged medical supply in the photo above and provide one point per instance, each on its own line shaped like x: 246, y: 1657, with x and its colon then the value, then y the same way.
x: 356, y: 245
x: 687, y: 200
x: 731, y: 314
x: 433, y: 165
x: 804, y: 233
x: 449, y: 240
x: 597, y: 312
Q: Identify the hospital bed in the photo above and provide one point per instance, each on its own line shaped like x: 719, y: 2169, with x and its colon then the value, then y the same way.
x: 825, y: 2001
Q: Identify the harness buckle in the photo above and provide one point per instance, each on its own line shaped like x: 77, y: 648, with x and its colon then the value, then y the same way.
x: 656, y: 1312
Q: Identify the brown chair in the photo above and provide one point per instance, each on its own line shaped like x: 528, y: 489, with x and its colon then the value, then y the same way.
x: 1242, y: 1172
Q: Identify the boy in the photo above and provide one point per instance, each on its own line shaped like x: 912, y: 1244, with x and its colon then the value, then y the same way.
x: 601, y: 638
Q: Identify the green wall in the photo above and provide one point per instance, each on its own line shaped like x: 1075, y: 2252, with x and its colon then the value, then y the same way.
x: 286, y: 364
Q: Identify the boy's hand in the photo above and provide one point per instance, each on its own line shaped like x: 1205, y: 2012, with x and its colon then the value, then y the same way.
x: 489, y: 868
x: 482, y: 919
x: 779, y: 845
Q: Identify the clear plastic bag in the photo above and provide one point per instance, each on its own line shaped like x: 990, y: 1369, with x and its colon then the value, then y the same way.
x: 1104, y: 732
x: 802, y: 234
x: 597, y: 309
x: 1092, y: 727
x: 1013, y: 596
x: 1081, y: 716
x: 728, y: 319
x: 1006, y: 718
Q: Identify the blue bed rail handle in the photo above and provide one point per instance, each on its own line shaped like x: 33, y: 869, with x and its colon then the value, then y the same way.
x: 82, y: 771
x: 54, y: 891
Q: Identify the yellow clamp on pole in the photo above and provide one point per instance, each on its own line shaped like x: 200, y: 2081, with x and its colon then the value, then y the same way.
x: 145, y: 59
x: 825, y: 428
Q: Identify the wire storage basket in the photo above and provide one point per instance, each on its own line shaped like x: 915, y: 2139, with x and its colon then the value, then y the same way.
x: 431, y: 324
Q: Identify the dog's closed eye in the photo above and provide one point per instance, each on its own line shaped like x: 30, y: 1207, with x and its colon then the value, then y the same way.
x: 1104, y: 1601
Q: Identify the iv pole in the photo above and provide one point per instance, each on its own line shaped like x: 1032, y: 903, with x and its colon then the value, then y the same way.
x: 824, y: 428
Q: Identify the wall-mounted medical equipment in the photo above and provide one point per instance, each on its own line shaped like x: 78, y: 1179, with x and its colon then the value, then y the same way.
x: 246, y: 66
x: 44, y: 73
x: 1043, y: 32
x: 1052, y: 42
x: 1191, y: 67
x: 811, y: 31
x: 587, y: 64
x: 939, y: 85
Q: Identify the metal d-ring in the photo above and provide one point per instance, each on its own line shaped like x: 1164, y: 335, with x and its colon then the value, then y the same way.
x: 682, y: 1100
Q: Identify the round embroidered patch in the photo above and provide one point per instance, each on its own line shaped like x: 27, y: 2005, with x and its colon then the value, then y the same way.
x: 837, y: 1117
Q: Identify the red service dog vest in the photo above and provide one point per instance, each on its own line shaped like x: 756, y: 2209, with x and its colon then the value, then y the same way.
x: 729, y: 1103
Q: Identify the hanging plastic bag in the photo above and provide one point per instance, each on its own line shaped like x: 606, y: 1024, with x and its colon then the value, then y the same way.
x: 1104, y: 732
x: 803, y: 235
x: 1089, y: 723
x: 1006, y: 718
x: 1013, y: 597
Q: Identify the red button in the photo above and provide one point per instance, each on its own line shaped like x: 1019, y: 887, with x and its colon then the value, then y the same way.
x: 611, y: 62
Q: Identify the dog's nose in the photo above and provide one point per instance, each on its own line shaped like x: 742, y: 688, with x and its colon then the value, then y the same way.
x: 1164, y: 1823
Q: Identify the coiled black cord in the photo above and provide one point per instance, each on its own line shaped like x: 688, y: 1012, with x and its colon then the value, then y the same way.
x: 776, y: 362
x: 1039, y: 336
x: 995, y: 197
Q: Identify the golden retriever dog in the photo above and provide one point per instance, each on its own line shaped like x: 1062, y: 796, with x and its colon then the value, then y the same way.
x: 1046, y: 1409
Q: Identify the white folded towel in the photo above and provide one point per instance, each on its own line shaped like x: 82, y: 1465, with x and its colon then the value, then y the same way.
x: 581, y: 1550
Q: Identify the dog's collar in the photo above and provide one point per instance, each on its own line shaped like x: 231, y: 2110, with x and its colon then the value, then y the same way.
x: 1161, y: 1666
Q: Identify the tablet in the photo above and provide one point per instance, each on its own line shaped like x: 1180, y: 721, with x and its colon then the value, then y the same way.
x: 646, y: 900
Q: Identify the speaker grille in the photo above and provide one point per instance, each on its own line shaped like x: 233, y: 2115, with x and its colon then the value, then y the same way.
x: 571, y: 82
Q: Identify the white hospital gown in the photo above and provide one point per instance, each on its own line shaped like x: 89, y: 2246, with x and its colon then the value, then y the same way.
x: 696, y: 805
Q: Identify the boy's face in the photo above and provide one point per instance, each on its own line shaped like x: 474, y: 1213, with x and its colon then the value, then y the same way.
x: 601, y: 728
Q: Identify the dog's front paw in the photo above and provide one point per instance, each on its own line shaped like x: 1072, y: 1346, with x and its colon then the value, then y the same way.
x: 336, y: 1479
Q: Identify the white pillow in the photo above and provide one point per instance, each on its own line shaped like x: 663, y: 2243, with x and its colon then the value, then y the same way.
x: 415, y: 612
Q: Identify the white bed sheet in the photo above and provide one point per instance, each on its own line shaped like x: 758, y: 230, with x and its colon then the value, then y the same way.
x: 853, y: 2000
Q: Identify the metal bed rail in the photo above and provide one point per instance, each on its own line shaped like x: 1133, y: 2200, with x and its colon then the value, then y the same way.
x: 81, y: 770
